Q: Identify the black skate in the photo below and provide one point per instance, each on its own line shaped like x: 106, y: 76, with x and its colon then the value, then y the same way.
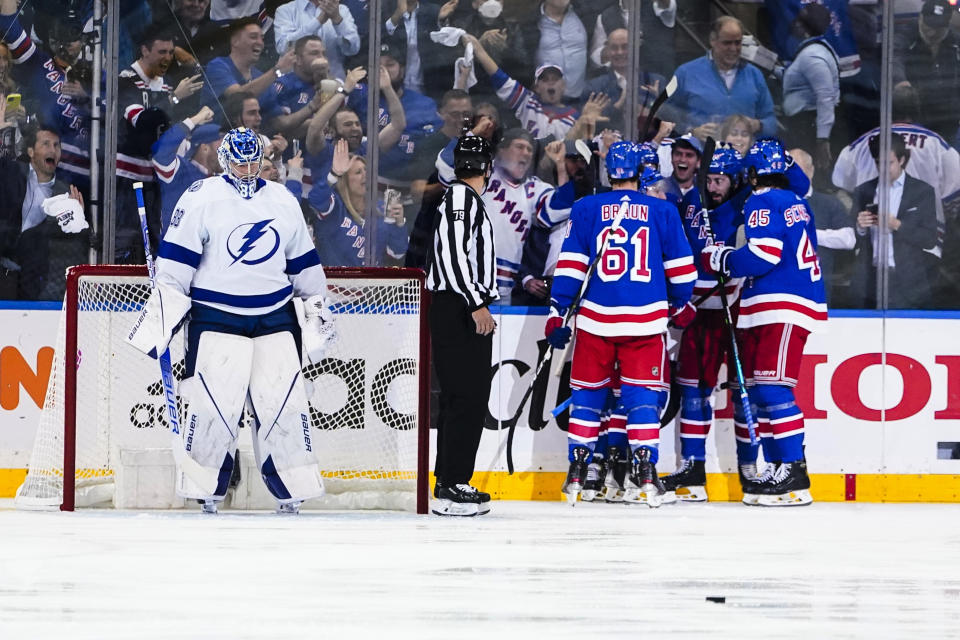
x: 789, y: 487
x: 750, y: 481
x: 484, y: 496
x: 643, y: 485
x: 596, y: 475
x: 689, y: 482
x: 617, y: 469
x: 577, y: 475
x: 459, y: 500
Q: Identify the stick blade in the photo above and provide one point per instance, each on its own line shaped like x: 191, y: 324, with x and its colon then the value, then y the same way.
x: 671, y: 87
x: 583, y: 150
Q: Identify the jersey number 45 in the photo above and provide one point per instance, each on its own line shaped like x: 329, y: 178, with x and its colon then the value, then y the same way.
x: 807, y: 257
x: 617, y: 260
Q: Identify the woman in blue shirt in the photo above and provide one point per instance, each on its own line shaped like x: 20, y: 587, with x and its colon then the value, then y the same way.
x: 339, y: 202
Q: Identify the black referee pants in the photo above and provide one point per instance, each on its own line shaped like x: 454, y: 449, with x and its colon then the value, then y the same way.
x: 462, y: 359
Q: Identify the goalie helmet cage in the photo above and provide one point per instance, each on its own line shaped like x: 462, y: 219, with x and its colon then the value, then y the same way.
x: 370, y: 394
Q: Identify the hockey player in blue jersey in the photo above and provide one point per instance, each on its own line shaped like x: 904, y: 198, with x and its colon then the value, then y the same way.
x: 705, y: 344
x: 645, y: 270
x: 781, y: 303
x: 606, y: 473
x: 235, y: 255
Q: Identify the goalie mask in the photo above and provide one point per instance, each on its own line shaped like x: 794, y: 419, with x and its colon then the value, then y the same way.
x: 241, y: 158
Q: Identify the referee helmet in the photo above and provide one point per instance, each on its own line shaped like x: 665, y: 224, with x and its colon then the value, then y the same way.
x: 472, y: 155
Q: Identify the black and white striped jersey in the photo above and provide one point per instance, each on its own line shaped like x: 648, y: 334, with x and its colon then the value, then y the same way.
x: 462, y: 259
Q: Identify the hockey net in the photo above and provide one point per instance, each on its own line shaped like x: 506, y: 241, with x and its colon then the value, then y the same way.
x: 103, y: 437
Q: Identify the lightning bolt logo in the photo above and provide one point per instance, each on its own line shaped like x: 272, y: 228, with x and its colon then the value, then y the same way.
x: 254, y: 232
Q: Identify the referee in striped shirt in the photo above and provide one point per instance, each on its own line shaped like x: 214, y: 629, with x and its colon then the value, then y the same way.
x: 461, y: 273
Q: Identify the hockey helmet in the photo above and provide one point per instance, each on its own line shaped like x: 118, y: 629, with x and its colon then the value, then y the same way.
x: 472, y: 153
x: 767, y: 156
x: 726, y: 161
x: 622, y: 161
x: 649, y: 177
x: 241, y: 146
x: 647, y: 155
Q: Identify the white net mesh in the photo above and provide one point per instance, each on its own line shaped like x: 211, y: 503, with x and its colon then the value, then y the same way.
x: 364, y: 396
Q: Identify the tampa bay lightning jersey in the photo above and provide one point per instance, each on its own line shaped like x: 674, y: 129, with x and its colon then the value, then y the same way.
x: 784, y: 282
x: 646, y: 263
x: 247, y: 257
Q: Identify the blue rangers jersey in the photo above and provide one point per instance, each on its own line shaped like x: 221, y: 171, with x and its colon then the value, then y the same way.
x: 41, y: 82
x: 724, y: 220
x: 646, y: 263
x: 780, y: 260
x: 247, y: 257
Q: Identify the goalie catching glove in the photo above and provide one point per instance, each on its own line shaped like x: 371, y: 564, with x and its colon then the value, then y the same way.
x: 557, y: 335
x: 319, y: 330
x: 714, y: 258
x: 158, y: 320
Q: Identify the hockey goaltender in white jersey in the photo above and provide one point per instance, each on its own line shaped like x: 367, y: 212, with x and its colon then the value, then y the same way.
x: 236, y: 252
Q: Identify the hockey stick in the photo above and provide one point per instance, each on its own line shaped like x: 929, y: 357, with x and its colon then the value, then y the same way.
x: 590, y: 159
x: 571, y: 310
x: 700, y: 300
x: 705, y: 160
x: 668, y: 91
x: 205, y: 480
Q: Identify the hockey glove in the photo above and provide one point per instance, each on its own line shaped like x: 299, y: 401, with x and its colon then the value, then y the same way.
x: 714, y: 258
x: 557, y: 335
x: 319, y: 330
x: 158, y: 320
x: 682, y: 317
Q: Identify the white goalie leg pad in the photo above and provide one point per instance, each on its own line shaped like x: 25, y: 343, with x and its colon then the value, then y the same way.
x: 214, y: 399
x: 158, y: 319
x: 283, y: 443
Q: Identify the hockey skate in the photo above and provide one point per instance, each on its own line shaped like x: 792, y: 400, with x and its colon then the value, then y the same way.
x: 209, y: 506
x: 688, y: 483
x: 577, y: 475
x: 596, y: 475
x: 290, y: 508
x: 617, y: 469
x: 643, y: 485
x: 789, y: 487
x: 482, y: 495
x: 459, y: 500
x: 750, y: 481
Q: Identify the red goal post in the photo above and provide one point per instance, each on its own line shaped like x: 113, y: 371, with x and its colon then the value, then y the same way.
x: 370, y: 396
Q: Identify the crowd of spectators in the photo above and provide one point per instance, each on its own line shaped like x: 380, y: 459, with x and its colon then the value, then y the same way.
x: 547, y: 81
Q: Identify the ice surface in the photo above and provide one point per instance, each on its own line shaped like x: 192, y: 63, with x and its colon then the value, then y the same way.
x: 527, y: 570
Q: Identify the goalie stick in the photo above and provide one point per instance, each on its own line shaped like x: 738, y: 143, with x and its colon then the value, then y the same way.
x: 571, y: 310
x: 205, y: 480
x: 705, y: 159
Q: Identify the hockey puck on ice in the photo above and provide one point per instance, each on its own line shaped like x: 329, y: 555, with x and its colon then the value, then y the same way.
x: 717, y: 599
